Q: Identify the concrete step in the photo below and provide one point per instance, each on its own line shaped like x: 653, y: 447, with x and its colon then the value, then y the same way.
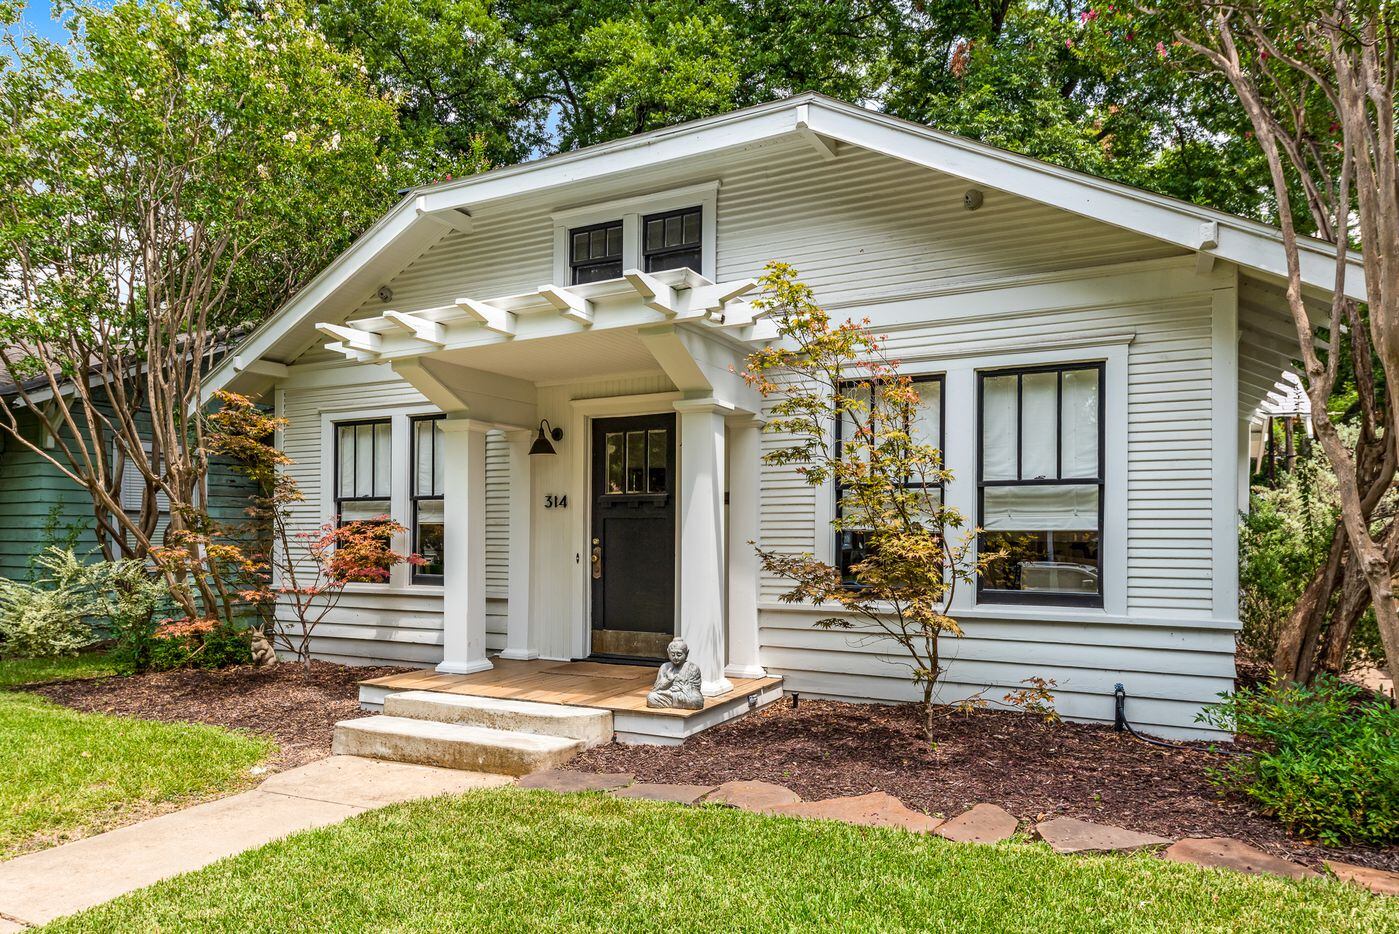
x: 593, y: 727
x: 452, y: 745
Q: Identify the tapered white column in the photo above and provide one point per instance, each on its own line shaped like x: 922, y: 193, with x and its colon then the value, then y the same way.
x: 519, y: 634
x: 702, y: 538
x: 464, y: 547
x: 745, y: 465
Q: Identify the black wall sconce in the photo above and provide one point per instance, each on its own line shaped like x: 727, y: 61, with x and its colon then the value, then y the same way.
x: 541, y: 444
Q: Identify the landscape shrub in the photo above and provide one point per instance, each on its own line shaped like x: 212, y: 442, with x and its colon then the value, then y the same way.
x: 1328, y: 763
x: 53, y: 615
x: 199, y: 643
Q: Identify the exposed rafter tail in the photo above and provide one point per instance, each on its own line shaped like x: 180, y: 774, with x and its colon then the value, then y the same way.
x: 569, y: 304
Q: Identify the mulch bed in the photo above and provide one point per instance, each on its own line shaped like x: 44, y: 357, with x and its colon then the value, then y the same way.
x: 296, y: 708
x: 826, y: 749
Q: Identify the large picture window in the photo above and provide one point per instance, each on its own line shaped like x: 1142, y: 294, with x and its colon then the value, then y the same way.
x: 428, y: 523
x: 926, y: 428
x: 363, y: 469
x: 1040, y: 484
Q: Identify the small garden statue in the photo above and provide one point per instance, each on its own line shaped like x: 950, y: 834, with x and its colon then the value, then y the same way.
x: 678, y: 681
x: 264, y: 656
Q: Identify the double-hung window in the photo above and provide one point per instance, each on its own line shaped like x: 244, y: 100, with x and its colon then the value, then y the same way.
x: 672, y: 240
x: 595, y: 252
x: 851, y: 544
x: 363, y: 469
x: 426, y: 496
x: 1040, y: 484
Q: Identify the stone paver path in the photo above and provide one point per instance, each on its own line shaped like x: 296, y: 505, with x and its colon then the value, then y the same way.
x: 49, y: 884
x: 1070, y: 835
x: 753, y: 795
x: 566, y: 782
x: 875, y: 809
x: 1223, y: 853
x: 1380, y: 881
x: 984, y: 823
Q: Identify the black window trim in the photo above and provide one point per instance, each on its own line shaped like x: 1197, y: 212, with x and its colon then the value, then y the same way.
x: 837, y: 488
x: 696, y: 247
x: 414, y: 497
x: 355, y: 423
x: 575, y: 265
x: 1037, y: 597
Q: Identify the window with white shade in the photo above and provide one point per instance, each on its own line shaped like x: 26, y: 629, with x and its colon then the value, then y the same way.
x: 851, y: 544
x: 363, y: 469
x: 1040, y: 484
x: 133, y: 484
x: 428, y: 519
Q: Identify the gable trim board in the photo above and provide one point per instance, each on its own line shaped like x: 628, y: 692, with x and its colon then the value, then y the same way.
x: 1054, y: 267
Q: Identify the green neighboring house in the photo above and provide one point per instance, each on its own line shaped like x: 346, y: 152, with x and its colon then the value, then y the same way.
x: 39, y: 506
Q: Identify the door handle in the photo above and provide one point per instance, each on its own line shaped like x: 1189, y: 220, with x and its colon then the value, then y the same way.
x: 597, y: 559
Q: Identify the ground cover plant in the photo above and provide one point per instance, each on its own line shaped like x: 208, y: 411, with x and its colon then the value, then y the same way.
x: 1328, y: 766
x: 65, y: 774
x: 513, y: 860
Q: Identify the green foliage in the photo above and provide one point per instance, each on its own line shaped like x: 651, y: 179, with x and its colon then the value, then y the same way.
x: 1329, y: 766
x: 52, y: 616
x: 55, y: 534
x: 1283, y: 539
x: 205, y: 644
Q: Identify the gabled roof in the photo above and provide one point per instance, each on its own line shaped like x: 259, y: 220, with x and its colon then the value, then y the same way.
x: 422, y: 215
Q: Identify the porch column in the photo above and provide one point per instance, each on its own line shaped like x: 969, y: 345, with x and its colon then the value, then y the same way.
x: 745, y: 468
x: 702, y: 537
x: 464, y: 547
x: 519, y: 636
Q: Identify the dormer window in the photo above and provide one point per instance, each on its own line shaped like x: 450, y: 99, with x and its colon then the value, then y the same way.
x: 672, y: 240
x: 595, y: 252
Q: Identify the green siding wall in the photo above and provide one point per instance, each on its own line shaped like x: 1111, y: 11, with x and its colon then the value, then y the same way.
x: 33, y: 494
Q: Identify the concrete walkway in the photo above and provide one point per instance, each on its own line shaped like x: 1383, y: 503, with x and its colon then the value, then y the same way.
x: 49, y: 884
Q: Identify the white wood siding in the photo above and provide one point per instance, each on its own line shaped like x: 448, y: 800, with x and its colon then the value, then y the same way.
x: 387, y: 623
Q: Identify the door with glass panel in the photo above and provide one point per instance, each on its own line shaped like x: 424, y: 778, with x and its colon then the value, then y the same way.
x: 1040, y: 460
x: 632, y: 547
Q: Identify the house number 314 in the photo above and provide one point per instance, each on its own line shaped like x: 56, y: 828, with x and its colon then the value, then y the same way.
x: 555, y: 501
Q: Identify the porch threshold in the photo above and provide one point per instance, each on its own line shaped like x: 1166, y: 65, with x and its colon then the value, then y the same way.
x: 620, y: 689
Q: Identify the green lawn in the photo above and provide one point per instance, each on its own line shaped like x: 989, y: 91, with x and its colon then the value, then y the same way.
x: 64, y: 773
x: 513, y: 860
x: 17, y: 671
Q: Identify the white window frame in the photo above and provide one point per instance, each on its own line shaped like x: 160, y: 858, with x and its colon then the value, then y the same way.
x: 630, y: 211
x: 400, y: 499
x: 959, y: 436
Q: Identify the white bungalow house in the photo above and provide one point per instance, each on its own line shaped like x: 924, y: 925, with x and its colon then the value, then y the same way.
x: 1090, y: 355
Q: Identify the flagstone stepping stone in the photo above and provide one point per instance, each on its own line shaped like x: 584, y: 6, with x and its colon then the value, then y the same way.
x: 681, y: 794
x: 1224, y: 853
x: 753, y: 795
x: 562, y: 780
x: 984, y: 823
x: 1379, y: 881
x: 876, y: 809
x: 1070, y: 835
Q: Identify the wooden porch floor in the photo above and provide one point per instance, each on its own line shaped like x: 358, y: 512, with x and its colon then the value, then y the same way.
x: 619, y: 688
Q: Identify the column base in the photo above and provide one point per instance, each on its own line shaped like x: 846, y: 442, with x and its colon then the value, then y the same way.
x: 465, y: 668
x: 716, y: 688
x: 745, y: 671
x: 519, y: 655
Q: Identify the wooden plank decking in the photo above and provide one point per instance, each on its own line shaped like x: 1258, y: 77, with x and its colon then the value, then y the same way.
x: 581, y: 684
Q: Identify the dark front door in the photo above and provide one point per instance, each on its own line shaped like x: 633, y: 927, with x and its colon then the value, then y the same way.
x: 632, y: 548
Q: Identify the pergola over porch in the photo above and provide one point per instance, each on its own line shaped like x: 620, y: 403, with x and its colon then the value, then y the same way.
x: 480, y: 360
